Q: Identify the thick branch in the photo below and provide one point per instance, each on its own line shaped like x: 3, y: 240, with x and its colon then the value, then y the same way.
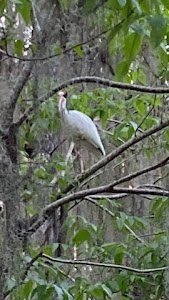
x: 102, y: 189
x: 105, y: 265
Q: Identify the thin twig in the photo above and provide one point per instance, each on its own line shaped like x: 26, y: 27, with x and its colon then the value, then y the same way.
x: 105, y: 265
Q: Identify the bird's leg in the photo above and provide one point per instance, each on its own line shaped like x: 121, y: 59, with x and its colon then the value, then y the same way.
x: 81, y: 163
x: 69, y: 153
x: 79, y: 155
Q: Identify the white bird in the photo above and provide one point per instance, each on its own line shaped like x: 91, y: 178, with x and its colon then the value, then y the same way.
x: 78, y: 125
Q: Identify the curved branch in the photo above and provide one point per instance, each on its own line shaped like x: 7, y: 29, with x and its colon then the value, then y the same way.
x: 109, y: 83
x: 105, y: 265
x: 102, y: 189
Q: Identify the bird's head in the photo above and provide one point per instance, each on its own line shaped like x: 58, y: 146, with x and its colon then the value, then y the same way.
x: 62, y: 101
x: 62, y: 94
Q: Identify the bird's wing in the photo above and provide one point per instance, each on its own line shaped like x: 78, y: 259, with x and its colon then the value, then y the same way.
x: 82, y: 125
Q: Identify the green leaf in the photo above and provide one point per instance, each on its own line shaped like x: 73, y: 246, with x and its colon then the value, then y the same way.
x: 158, y: 29
x: 89, y: 6
x: 139, y: 29
x: 43, y: 292
x: 41, y: 173
x: 140, y: 106
x: 132, y: 46
x: 81, y: 236
x: 79, y: 50
x: 96, y: 291
x: 122, y: 69
x: 31, y: 210
x: 165, y: 3
x: 50, y: 249
x: 166, y: 134
x: 3, y: 4
x: 28, y: 288
x: 51, y: 270
x: 24, y: 8
x: 58, y: 50
x: 121, y: 220
x: 146, y: 6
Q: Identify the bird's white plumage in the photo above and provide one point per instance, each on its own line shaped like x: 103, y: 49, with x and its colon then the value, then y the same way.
x: 79, y: 125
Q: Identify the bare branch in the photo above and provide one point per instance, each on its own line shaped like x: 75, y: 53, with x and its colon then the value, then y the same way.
x: 109, y: 83
x: 102, y: 189
x: 105, y: 265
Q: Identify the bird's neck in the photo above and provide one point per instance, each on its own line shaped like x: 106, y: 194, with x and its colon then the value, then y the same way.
x: 62, y: 107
